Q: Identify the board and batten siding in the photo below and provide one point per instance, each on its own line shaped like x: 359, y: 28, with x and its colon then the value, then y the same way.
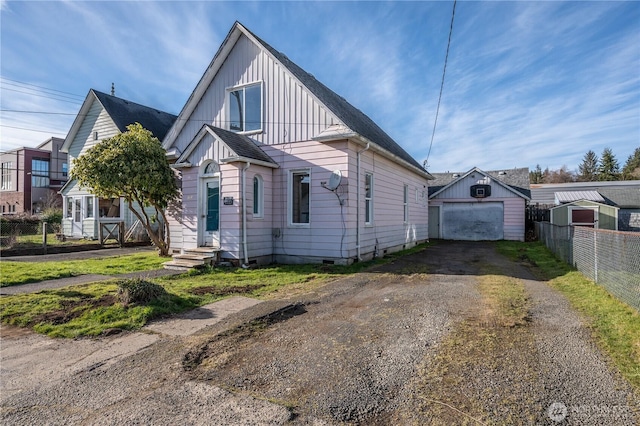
x: 289, y: 112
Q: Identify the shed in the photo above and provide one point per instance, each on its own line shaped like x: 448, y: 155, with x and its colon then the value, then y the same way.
x: 586, y: 213
x: 479, y: 205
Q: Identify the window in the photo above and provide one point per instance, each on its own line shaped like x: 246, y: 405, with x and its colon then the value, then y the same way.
x: 88, y: 204
x: 406, y: 203
x: 245, y: 109
x: 368, y: 198
x: 258, y: 197
x: 77, y: 210
x: 39, y: 173
x: 6, y: 175
x: 69, y: 206
x: 300, y: 197
x: 109, y: 207
x: 65, y: 169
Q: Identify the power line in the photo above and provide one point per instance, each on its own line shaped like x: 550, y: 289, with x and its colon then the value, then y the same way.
x: 43, y: 96
x: 446, y: 58
x: 33, y: 130
x: 40, y: 112
x: 22, y: 83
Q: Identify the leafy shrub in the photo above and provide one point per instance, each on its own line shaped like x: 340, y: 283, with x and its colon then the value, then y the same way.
x: 139, y: 291
x: 52, y: 215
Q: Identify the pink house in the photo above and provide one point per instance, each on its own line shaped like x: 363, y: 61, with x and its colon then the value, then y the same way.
x: 274, y: 166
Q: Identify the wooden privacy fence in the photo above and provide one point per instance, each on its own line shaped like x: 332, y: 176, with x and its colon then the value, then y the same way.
x: 609, y: 258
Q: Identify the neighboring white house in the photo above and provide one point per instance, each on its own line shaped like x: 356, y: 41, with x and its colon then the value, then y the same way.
x: 102, y: 116
x: 275, y: 166
x: 479, y: 205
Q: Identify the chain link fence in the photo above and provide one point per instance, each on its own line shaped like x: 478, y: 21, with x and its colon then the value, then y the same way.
x: 34, y: 235
x: 609, y: 258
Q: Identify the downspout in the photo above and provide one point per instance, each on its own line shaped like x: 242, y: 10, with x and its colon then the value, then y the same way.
x: 244, y: 215
x: 358, y: 201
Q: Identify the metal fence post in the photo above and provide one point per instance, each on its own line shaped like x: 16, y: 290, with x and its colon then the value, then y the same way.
x: 44, y: 237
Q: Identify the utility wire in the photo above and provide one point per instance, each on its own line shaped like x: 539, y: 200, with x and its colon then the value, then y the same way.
x: 444, y: 71
x: 42, y: 88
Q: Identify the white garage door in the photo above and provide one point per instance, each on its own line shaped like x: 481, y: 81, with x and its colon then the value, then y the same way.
x: 473, y: 221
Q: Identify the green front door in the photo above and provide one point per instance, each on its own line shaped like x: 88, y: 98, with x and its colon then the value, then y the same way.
x: 210, y: 213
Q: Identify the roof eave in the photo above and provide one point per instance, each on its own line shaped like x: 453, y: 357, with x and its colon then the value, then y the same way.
x: 202, y: 86
x: 249, y: 160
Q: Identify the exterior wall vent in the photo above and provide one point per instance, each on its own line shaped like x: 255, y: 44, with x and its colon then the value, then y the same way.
x: 480, y: 191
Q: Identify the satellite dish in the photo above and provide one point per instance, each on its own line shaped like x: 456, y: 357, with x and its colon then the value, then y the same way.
x: 334, y: 180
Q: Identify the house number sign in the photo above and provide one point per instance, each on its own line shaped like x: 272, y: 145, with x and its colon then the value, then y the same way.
x: 227, y: 201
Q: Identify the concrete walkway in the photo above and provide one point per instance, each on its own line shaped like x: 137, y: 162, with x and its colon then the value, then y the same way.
x: 80, y: 279
x: 30, y: 359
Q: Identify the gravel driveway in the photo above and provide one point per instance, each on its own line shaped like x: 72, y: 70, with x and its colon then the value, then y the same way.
x: 381, y: 347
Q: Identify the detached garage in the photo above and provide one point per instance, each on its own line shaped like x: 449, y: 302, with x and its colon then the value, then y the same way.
x: 478, y: 205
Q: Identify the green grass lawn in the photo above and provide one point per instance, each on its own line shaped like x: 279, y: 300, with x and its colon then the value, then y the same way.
x: 14, y: 273
x: 89, y: 310
x: 614, y: 324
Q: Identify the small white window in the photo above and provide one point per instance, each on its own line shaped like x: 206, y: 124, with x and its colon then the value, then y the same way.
x: 69, y: 208
x: 368, y: 198
x: 88, y: 204
x: 258, y: 196
x: 300, y: 185
x: 245, y: 108
x: 406, y: 203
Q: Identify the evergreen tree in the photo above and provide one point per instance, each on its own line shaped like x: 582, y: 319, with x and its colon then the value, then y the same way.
x: 588, y: 169
x: 609, y: 168
x: 535, y: 176
x: 631, y: 169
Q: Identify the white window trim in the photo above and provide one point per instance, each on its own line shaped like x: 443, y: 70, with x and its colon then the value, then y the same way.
x: 290, y: 199
x: 85, y: 204
x: 260, y: 213
x: 368, y: 221
x: 228, y: 106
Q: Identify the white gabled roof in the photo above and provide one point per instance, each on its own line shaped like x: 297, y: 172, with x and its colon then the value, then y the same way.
x: 486, y: 175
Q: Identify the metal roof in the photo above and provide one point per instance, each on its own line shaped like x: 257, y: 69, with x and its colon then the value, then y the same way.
x: 562, y: 197
x: 625, y: 194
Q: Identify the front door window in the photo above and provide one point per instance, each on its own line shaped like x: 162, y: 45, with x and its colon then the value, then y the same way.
x: 213, y: 206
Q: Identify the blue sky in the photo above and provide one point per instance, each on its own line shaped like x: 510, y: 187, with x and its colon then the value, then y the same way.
x: 527, y: 82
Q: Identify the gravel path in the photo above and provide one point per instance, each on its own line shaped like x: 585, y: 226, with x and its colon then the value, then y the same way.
x: 371, y: 348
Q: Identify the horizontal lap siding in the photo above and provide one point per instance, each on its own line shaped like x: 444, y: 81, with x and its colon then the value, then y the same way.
x: 290, y: 113
x: 514, y: 219
x: 96, y: 120
x: 321, y: 239
x: 388, y: 226
x: 259, y: 229
x: 188, y: 229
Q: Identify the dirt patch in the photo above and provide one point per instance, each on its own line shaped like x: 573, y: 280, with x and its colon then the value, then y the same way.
x: 215, y: 351
x: 225, y: 291
x: 71, y: 309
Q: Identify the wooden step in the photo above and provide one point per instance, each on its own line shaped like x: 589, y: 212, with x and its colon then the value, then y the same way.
x: 196, y: 257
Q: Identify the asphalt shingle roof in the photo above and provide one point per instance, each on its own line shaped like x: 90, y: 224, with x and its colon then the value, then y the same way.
x: 242, y: 145
x: 124, y: 112
x: 517, y: 179
x: 351, y: 116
